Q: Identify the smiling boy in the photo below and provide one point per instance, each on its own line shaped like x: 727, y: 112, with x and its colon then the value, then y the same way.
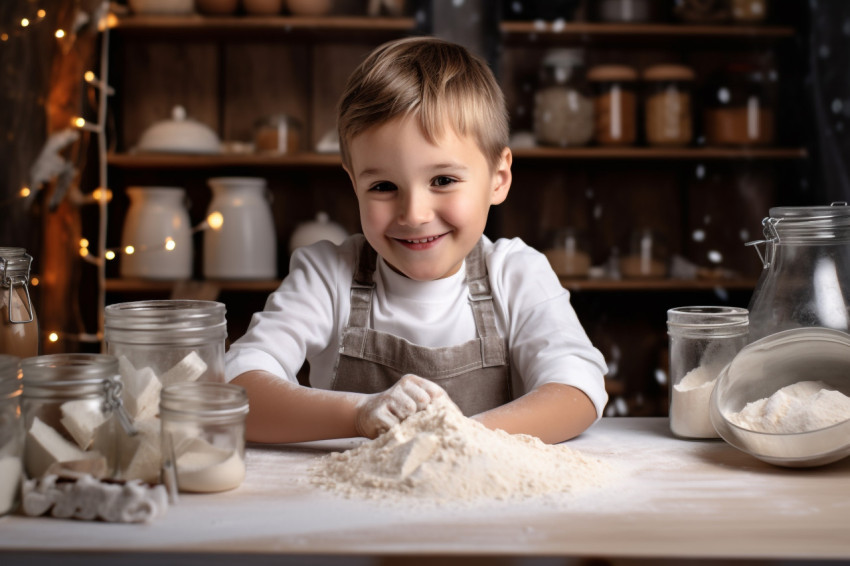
x: 421, y: 305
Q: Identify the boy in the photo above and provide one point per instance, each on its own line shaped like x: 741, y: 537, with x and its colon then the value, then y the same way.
x: 422, y: 304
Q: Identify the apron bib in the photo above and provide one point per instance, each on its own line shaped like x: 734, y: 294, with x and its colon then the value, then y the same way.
x: 475, y: 374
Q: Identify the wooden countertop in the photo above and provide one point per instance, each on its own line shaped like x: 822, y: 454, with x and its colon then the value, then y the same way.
x: 675, y: 498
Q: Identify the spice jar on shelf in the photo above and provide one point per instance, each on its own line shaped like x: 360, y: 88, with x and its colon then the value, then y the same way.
x: 703, y: 339
x: 647, y: 257
x: 563, y: 107
x: 18, y: 320
x: 203, y: 436
x: 625, y: 11
x: 615, y: 104
x: 738, y: 106
x: 278, y: 134
x: 702, y: 11
x: 749, y: 11
x: 568, y: 253
x: 668, y: 107
x: 11, y: 434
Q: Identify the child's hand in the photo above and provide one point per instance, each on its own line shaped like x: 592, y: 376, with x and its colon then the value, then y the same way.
x: 378, y: 412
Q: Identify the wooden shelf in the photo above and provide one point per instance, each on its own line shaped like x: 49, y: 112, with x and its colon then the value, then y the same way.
x: 577, y: 285
x: 311, y: 159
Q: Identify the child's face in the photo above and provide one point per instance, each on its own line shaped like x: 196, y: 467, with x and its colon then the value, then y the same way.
x: 423, y: 206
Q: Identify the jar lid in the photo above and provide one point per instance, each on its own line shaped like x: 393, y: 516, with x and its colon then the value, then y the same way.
x: 203, y: 399
x: 835, y: 210
x: 10, y: 376
x: 68, y: 375
x: 14, y: 262
x: 165, y: 322
x: 668, y: 72
x: 612, y: 73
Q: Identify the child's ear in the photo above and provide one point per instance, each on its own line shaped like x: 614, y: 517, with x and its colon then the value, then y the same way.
x: 502, y: 177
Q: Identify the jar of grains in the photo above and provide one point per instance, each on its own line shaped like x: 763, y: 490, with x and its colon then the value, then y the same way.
x: 738, y: 106
x: 203, y: 436
x: 668, y: 119
x: 159, y: 343
x: 614, y: 103
x: 703, y: 339
x: 11, y: 434
x: 563, y: 107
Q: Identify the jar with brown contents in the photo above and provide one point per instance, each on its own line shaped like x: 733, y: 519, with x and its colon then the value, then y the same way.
x: 615, y: 104
x: 668, y: 105
x: 739, y: 107
x: 18, y: 321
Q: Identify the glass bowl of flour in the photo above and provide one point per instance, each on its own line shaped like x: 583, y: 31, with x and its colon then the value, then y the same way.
x: 785, y: 398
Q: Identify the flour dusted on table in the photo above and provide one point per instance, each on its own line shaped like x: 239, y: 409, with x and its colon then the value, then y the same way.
x: 800, y: 407
x: 441, y: 455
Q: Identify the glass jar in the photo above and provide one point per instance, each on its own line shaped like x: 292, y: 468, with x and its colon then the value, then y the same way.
x: 277, y: 135
x: 668, y: 118
x: 625, y: 11
x: 69, y: 406
x: 568, y: 253
x: 18, y: 321
x: 702, y: 11
x: 158, y: 229
x: 738, y: 107
x: 563, y: 107
x: 615, y: 104
x: 158, y: 343
x: 11, y: 434
x: 703, y: 339
x: 647, y: 257
x: 806, y: 269
x: 749, y: 11
x: 244, y: 245
x: 203, y: 436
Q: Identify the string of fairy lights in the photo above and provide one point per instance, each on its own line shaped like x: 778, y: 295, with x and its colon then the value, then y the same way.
x: 98, y: 254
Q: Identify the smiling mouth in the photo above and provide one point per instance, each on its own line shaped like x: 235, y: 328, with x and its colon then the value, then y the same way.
x: 419, y: 242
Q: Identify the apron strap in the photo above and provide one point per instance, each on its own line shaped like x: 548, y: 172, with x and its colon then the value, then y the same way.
x: 362, y: 287
x: 483, y: 309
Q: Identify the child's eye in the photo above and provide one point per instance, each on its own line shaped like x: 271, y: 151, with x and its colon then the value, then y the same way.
x: 442, y: 181
x: 383, y: 187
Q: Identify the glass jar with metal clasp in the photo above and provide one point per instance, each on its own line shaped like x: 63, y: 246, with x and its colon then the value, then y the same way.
x: 806, y: 260
x: 18, y: 321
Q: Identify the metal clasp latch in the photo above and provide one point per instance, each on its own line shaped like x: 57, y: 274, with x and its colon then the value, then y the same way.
x: 112, y: 389
x: 771, y: 235
x: 10, y: 282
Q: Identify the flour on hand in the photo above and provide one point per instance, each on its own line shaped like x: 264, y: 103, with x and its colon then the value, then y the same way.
x: 800, y: 407
x: 438, y: 454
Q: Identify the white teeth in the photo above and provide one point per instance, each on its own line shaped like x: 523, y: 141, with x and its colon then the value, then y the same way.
x: 423, y: 241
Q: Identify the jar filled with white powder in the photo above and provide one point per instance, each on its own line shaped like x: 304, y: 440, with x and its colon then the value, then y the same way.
x: 703, y: 339
x: 11, y: 434
x: 70, y: 403
x: 203, y: 436
x: 159, y: 343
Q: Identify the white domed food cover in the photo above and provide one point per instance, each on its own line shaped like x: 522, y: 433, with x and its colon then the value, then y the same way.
x: 180, y: 134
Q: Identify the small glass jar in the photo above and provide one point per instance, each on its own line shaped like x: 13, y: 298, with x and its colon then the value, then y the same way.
x: 703, y: 339
x: 568, y: 253
x: 668, y: 119
x: 702, y: 11
x: 11, y: 434
x: 738, y: 107
x: 563, y: 106
x: 69, y: 406
x: 806, y: 269
x: 625, y: 11
x: 277, y: 135
x: 647, y: 257
x: 749, y: 11
x: 18, y: 321
x: 615, y: 104
x: 203, y: 436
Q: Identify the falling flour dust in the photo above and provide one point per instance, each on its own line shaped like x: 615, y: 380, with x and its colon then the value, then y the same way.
x: 440, y: 455
x: 800, y: 407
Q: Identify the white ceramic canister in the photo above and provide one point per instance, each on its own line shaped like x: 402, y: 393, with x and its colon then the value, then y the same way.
x: 244, y: 245
x: 157, y: 227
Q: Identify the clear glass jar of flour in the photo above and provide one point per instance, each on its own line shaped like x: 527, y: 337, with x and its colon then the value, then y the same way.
x: 70, y: 403
x: 203, y: 436
x: 703, y: 339
x: 159, y: 343
x: 11, y: 434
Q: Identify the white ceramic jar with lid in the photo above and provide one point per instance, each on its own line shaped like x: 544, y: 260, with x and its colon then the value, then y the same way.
x: 157, y: 229
x: 244, y: 246
x: 180, y: 134
x: 11, y: 434
x: 18, y: 319
x: 322, y: 228
x: 203, y: 436
x: 703, y: 339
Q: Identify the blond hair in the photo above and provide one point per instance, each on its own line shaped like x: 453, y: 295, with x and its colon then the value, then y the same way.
x: 434, y: 80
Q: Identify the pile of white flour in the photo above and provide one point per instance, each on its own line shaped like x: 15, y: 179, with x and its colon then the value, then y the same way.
x: 440, y: 455
x: 800, y: 407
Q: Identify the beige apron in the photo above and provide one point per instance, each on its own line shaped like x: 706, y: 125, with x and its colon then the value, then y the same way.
x: 476, y: 374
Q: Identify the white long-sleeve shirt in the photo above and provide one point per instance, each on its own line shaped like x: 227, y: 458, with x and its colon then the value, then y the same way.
x: 304, y: 318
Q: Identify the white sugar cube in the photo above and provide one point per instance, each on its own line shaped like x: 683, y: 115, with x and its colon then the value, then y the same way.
x: 189, y: 368
x: 81, y: 418
x: 44, y: 447
x: 141, y: 456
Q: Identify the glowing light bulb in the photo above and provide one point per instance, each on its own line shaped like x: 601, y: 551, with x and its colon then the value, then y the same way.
x: 170, y: 244
x: 215, y: 220
x: 25, y: 192
x: 25, y: 22
x: 84, y: 243
x: 53, y: 337
x: 109, y: 254
x: 60, y: 33
x: 4, y: 37
x: 129, y: 250
x: 98, y: 193
x: 89, y: 76
x: 79, y: 122
x: 34, y: 280
x: 84, y: 252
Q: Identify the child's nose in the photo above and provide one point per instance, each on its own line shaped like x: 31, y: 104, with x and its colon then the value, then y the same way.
x: 415, y: 209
